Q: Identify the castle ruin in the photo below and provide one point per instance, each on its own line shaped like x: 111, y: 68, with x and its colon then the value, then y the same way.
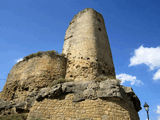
x: 80, y: 84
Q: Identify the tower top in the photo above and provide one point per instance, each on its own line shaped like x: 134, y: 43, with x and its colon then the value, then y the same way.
x: 90, y: 10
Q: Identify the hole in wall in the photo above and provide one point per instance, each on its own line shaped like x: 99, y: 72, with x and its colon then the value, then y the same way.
x: 26, y: 89
x: 103, y: 72
x: 99, y: 29
x: 15, y: 88
x: 71, y: 75
x: 77, y: 66
x: 19, y: 110
x: 99, y: 20
x: 68, y: 53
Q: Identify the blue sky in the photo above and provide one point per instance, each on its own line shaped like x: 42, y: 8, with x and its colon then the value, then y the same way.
x: 28, y: 26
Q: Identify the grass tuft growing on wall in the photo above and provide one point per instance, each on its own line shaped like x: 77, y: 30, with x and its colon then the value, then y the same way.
x: 14, y: 117
x: 58, y: 81
x: 40, y: 53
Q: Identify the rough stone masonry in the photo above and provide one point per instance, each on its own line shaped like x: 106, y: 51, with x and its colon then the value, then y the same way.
x: 87, y: 48
x: 80, y: 84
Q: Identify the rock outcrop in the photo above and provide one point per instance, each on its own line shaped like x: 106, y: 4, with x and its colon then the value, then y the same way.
x: 109, y: 88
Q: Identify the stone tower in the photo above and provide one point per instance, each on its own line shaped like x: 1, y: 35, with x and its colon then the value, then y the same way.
x: 87, y: 48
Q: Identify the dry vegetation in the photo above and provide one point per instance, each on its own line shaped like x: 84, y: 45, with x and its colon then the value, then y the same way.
x: 14, y: 117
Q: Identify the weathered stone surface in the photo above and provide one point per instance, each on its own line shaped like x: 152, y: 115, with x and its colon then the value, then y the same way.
x: 16, y: 107
x: 87, y: 90
x: 87, y: 48
x: 5, y: 105
x: 99, y: 109
x: 109, y: 88
x: 89, y: 100
x: 132, y: 97
x: 48, y: 92
x: 34, y: 72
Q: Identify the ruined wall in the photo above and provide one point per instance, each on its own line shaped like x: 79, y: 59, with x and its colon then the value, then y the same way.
x: 35, y: 71
x: 64, y: 109
x: 87, y: 47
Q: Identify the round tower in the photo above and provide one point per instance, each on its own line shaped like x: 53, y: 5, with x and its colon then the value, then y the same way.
x: 87, y: 48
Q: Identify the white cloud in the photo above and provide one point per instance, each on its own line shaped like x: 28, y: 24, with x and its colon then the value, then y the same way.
x: 18, y: 60
x: 156, y: 76
x: 148, y: 56
x: 129, y: 78
x: 158, y: 112
x: 158, y: 109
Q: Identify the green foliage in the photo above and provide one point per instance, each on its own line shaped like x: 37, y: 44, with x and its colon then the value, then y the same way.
x: 40, y: 53
x: 58, y: 81
x: 39, y: 117
x: 119, y: 81
x: 35, y: 118
x: 102, y: 78
x: 14, y: 117
x: 22, y: 116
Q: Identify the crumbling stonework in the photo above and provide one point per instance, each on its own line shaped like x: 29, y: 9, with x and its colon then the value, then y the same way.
x: 89, y: 100
x: 102, y: 100
x: 108, y: 88
x: 87, y: 48
x: 35, y: 71
x: 99, y: 109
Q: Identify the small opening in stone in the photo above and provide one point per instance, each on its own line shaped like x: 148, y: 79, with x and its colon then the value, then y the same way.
x: 99, y: 20
x: 88, y: 58
x: 15, y: 88
x: 19, y: 110
x: 68, y: 53
x: 71, y: 75
x: 99, y: 29
x: 77, y: 66
x: 26, y: 89
x: 103, y: 72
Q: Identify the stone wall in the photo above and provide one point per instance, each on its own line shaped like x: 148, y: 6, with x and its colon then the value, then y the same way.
x: 85, y: 100
x: 34, y: 72
x: 87, y: 48
x: 64, y: 108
